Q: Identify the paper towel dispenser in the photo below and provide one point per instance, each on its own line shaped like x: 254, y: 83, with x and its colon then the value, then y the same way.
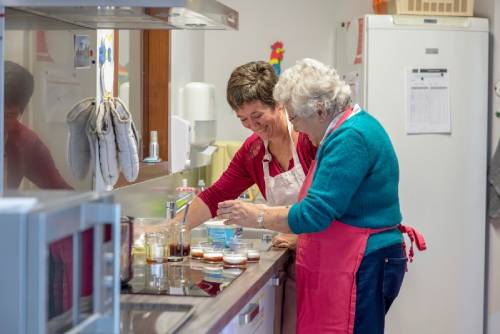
x: 125, y: 14
x: 193, y: 130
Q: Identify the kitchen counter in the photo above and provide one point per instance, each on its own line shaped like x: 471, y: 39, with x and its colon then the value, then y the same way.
x: 211, y: 314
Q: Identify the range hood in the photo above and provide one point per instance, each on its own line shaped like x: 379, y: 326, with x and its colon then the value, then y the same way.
x: 128, y: 14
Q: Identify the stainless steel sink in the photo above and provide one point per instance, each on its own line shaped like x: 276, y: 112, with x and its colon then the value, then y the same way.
x: 153, y: 318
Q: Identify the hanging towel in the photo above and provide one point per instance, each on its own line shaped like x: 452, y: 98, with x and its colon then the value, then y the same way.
x: 78, y: 148
x: 107, y: 144
x: 126, y: 137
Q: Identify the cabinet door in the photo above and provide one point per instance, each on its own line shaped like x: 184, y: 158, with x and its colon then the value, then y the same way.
x: 257, y: 316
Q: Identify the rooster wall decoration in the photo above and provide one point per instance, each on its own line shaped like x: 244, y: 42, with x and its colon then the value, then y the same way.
x: 277, y: 56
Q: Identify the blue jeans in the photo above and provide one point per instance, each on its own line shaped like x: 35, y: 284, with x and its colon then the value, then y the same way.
x: 378, y: 279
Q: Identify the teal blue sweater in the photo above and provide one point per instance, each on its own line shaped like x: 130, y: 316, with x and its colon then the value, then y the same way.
x: 356, y: 182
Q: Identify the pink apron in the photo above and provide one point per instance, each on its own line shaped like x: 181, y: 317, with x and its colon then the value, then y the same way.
x: 326, y: 267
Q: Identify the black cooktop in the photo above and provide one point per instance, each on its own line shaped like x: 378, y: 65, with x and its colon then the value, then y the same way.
x: 187, y: 278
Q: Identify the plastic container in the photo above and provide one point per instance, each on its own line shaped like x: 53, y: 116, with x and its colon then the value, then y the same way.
x: 220, y: 233
x: 424, y: 7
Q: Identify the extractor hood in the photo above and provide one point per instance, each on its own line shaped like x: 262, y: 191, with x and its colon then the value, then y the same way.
x: 129, y: 14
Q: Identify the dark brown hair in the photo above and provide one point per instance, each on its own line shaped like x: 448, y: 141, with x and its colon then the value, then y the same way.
x: 250, y: 82
x: 19, y: 85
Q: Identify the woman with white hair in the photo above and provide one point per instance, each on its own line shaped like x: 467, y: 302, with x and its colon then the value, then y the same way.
x: 350, y: 253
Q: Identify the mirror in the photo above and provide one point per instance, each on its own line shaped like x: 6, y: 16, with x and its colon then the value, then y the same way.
x: 49, y: 68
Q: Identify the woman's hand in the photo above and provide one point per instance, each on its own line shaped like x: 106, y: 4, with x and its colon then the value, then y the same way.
x: 283, y: 240
x: 238, y: 212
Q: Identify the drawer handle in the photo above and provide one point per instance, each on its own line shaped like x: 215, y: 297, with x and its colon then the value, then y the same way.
x: 251, y: 314
x: 278, y: 279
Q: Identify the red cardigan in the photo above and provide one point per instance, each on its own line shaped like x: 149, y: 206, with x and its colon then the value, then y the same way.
x: 245, y: 169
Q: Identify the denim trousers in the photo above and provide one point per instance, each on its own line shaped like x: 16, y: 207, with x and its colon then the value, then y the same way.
x: 378, y: 280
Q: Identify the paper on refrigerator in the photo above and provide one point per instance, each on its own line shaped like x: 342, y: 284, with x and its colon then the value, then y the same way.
x: 428, y: 101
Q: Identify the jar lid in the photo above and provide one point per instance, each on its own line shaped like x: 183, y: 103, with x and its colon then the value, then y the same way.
x: 219, y: 224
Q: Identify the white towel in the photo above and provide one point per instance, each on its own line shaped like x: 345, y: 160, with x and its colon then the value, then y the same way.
x: 126, y: 139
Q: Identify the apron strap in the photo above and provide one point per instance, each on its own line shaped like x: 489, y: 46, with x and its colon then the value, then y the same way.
x: 265, y: 161
x: 267, y: 155
x: 415, y: 237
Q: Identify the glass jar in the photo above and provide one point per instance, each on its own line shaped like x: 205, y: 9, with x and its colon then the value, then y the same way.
x: 155, y: 247
x: 238, y: 245
x: 180, y: 238
x: 235, y: 259
x: 213, y: 253
x: 253, y: 255
x: 197, y: 251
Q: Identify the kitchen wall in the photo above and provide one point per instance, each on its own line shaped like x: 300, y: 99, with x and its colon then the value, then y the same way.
x: 305, y: 27
x: 187, y: 63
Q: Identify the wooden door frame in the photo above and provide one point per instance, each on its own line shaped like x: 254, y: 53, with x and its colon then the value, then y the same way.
x: 156, y: 84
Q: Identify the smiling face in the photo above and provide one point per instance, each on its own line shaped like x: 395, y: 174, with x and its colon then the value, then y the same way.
x: 265, y: 121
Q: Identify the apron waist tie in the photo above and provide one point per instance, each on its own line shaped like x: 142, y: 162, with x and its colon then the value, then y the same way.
x: 415, y: 237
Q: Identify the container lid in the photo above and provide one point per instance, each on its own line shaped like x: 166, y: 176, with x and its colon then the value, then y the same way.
x: 218, y: 224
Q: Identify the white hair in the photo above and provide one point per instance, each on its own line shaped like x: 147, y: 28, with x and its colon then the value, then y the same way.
x: 310, y: 85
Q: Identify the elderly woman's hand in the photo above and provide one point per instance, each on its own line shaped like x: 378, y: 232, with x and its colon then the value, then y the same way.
x: 285, y: 240
x: 238, y: 212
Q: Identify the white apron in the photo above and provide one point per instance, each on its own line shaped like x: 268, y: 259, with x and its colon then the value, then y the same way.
x: 283, y: 189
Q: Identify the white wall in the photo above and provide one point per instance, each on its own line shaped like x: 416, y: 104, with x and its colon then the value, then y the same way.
x: 305, y: 27
x: 187, y: 54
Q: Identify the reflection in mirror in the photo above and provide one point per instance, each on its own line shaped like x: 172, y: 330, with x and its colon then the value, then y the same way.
x: 25, y: 153
x: 47, y: 73
x: 44, y: 78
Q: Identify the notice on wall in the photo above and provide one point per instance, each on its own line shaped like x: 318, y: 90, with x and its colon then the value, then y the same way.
x: 428, y: 101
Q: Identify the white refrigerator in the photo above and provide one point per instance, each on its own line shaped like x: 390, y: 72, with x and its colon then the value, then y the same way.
x: 426, y: 80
